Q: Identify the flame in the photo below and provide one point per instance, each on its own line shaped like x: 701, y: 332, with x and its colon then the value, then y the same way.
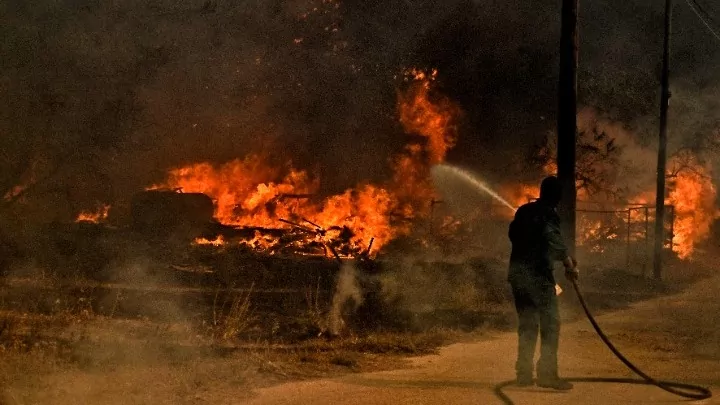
x: 96, y: 217
x: 249, y: 192
x: 423, y: 112
x: 219, y: 241
x: 693, y: 197
x: 431, y: 117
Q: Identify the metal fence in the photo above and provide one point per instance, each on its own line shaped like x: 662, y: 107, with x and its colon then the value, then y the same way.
x: 629, y: 229
x: 621, y: 234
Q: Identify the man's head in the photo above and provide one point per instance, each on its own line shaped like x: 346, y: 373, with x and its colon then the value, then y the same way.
x: 551, y: 191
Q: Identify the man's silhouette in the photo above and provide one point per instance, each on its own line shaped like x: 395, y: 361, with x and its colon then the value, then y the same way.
x: 536, y: 246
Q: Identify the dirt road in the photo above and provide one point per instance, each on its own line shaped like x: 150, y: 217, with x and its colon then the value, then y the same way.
x: 674, y: 338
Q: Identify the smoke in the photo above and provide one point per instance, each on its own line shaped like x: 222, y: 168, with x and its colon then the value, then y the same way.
x: 346, y: 299
x: 634, y: 167
x: 103, y: 98
x: 426, y: 287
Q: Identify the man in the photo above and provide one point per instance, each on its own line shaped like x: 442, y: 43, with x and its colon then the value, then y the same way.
x: 536, y: 245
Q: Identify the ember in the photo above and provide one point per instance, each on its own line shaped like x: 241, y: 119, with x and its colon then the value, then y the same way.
x: 97, y: 216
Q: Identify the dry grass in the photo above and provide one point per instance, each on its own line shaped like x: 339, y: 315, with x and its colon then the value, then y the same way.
x: 232, y: 317
x: 315, y: 314
x: 109, y: 361
x: 73, y: 355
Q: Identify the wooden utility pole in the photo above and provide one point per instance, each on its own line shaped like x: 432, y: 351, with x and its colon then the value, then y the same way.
x: 567, y: 118
x: 662, y: 148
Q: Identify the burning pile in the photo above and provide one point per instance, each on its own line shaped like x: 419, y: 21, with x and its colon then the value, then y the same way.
x: 250, y: 193
x: 280, y: 207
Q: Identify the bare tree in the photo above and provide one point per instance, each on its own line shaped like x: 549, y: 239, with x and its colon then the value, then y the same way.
x: 597, y: 163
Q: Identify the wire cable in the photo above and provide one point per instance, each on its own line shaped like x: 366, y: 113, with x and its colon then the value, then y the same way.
x: 680, y: 389
x: 704, y: 10
x: 694, y: 8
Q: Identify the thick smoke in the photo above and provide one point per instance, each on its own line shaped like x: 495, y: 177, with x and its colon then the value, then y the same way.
x: 103, y: 97
x: 347, y: 297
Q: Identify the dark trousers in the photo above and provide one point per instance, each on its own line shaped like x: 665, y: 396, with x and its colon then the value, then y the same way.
x: 537, y: 308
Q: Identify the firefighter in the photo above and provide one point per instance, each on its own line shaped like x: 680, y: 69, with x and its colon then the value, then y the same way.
x: 536, y: 246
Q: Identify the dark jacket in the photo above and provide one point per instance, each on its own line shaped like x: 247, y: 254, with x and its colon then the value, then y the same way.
x: 536, y: 243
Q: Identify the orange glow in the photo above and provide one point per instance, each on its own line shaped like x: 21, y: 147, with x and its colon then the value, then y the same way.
x: 219, y: 241
x: 250, y: 193
x: 96, y: 217
x: 693, y: 196
x: 14, y: 192
x: 520, y: 194
x: 691, y: 193
x: 431, y: 117
x: 247, y: 193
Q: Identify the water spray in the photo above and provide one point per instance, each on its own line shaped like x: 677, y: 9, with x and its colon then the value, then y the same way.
x: 690, y: 391
x: 467, y: 177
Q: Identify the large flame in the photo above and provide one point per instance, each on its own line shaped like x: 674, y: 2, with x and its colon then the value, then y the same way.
x: 250, y: 193
x: 692, y: 195
x: 431, y: 117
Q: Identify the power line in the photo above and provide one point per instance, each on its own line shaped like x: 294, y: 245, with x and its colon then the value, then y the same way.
x: 702, y: 19
x: 703, y: 9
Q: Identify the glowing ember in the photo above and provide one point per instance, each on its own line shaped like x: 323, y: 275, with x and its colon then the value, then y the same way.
x: 97, y: 216
x: 14, y: 192
x: 219, y: 241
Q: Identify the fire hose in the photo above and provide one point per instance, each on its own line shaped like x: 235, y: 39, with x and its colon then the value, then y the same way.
x: 689, y: 391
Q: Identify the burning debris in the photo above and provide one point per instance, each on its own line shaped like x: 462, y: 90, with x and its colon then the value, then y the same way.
x: 615, y: 190
x: 250, y: 193
x: 271, y: 209
x: 97, y: 216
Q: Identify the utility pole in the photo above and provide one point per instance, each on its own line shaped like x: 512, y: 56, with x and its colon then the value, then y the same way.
x: 662, y: 148
x: 567, y: 118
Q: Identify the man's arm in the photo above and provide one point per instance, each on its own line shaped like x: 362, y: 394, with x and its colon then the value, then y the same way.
x: 556, y: 246
x: 514, y: 230
x: 558, y: 249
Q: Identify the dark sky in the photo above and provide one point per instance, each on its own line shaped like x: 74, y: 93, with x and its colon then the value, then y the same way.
x: 114, y: 93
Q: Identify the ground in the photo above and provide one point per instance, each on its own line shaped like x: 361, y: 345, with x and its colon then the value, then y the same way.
x: 674, y: 337
x: 100, y: 360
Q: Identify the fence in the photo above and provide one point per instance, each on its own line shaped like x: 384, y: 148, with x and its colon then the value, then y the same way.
x: 623, y: 228
x: 623, y: 233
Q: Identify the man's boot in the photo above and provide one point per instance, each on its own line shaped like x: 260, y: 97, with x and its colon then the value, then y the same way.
x: 555, y: 383
x: 524, y: 380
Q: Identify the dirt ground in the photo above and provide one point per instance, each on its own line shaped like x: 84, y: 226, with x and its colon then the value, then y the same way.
x: 106, y: 361
x: 673, y: 337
